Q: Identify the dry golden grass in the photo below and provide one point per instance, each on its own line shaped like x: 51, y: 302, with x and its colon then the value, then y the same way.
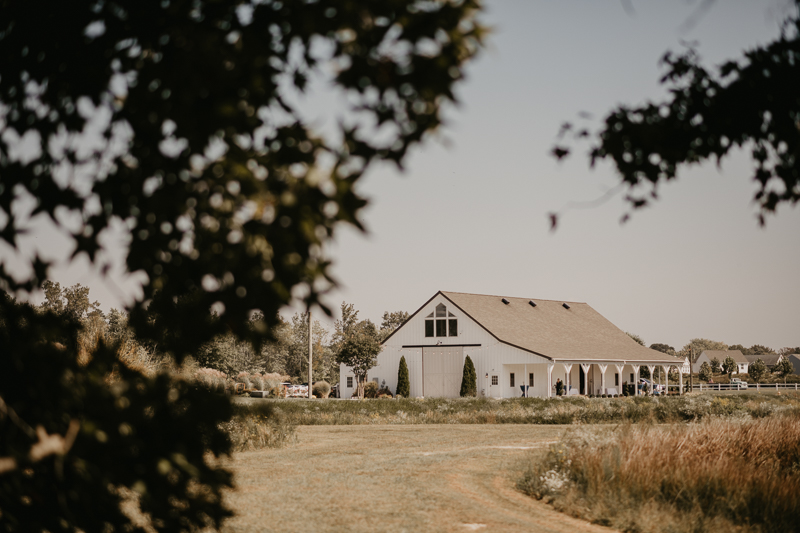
x: 721, y: 473
x: 412, y: 478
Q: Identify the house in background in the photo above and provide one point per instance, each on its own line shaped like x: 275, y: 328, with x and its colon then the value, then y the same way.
x: 741, y: 362
x: 770, y: 359
x: 795, y: 360
x: 515, y: 344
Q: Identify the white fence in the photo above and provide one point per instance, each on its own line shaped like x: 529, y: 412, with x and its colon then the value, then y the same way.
x: 745, y: 386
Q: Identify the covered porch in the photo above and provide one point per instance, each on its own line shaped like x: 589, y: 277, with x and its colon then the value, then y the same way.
x: 596, y: 378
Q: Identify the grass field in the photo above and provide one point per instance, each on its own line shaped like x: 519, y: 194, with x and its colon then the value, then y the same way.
x: 432, y: 478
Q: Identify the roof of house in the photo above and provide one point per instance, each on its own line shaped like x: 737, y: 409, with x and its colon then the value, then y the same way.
x: 736, y: 355
x: 770, y: 359
x: 571, y: 332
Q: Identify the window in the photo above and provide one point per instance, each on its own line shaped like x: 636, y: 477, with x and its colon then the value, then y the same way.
x: 530, y: 379
x: 494, y: 380
x: 616, y: 379
x: 442, y: 322
x: 631, y: 381
x: 349, y: 382
x: 512, y: 379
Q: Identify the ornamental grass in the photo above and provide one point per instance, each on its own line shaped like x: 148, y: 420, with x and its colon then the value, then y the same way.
x: 721, y: 474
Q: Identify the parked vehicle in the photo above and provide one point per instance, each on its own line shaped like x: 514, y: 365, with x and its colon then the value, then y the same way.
x: 739, y: 384
x: 659, y: 389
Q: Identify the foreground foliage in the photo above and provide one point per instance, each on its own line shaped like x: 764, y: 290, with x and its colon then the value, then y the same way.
x: 76, y: 432
x: 747, y: 102
x: 718, y: 475
x: 526, y: 410
x: 174, y: 128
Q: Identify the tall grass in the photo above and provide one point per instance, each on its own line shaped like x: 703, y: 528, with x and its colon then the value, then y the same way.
x: 720, y: 474
x: 526, y: 410
x: 256, y: 427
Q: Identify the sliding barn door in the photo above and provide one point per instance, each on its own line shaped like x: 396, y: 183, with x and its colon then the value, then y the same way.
x: 442, y: 368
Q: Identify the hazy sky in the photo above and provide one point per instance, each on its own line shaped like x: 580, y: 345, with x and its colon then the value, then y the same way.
x: 470, y: 212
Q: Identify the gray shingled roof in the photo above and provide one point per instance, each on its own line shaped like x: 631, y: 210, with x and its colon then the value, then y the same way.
x: 736, y: 355
x: 770, y: 359
x: 576, y: 334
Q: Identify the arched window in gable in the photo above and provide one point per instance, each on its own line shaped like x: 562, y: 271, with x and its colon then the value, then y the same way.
x: 441, y: 323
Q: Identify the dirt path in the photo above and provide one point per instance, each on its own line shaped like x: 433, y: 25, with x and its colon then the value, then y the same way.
x: 395, y: 478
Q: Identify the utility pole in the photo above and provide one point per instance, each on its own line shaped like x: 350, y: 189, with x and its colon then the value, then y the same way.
x: 691, y: 368
x: 309, y: 352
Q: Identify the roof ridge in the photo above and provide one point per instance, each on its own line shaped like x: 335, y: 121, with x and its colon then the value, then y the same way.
x: 514, y: 297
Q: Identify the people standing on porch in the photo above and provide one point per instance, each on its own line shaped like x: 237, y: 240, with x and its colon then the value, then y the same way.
x: 559, y: 387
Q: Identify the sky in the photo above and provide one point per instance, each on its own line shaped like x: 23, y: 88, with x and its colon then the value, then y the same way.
x: 470, y: 212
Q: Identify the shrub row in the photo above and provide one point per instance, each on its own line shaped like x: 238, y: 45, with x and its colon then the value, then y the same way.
x: 572, y: 410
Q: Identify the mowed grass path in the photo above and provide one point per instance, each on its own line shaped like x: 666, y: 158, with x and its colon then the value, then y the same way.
x: 412, y: 478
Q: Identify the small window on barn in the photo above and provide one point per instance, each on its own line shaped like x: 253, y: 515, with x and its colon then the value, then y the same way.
x: 349, y: 382
x: 429, y: 328
x: 441, y: 310
x: 511, y: 384
x: 453, y: 326
x: 494, y: 380
x: 616, y: 379
x: 530, y: 379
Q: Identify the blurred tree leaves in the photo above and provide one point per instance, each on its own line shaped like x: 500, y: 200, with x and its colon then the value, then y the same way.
x: 199, y: 147
x: 128, y: 435
x: 750, y: 102
x: 177, y: 119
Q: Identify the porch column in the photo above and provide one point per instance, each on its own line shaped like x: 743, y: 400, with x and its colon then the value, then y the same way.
x: 586, y: 369
x: 550, y: 367
x: 666, y: 368
x: 567, y: 370
x: 636, y: 379
x: 603, y: 369
x: 620, y: 368
x: 680, y: 381
x: 525, y: 380
x: 651, y: 368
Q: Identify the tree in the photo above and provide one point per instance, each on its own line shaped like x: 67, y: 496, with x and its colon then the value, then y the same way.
x: 729, y: 366
x: 788, y: 350
x: 74, y: 301
x: 746, y: 102
x: 469, y: 379
x: 179, y: 121
x: 784, y: 368
x: 234, y: 201
x: 758, y: 349
x: 716, y: 367
x: 635, y: 337
x: 757, y: 370
x: 359, y: 351
x: 745, y: 351
x: 705, y: 371
x: 663, y: 348
x: 105, y: 426
x: 403, y: 385
x: 392, y: 321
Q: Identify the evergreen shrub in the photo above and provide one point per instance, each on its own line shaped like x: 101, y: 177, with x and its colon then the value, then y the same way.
x: 469, y: 379
x: 403, y: 385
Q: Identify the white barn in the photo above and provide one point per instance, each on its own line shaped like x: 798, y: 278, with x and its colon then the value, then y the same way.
x: 513, y: 342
